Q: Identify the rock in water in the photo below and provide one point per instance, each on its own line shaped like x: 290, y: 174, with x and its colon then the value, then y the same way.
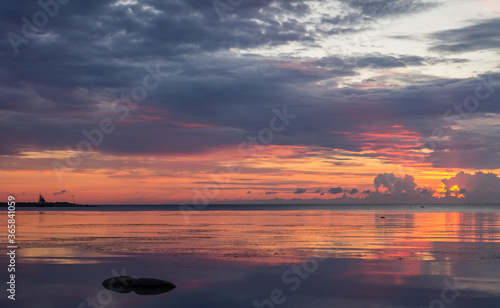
x: 119, y: 284
x: 151, y: 286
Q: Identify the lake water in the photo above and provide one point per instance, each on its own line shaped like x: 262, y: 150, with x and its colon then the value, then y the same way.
x: 265, y: 256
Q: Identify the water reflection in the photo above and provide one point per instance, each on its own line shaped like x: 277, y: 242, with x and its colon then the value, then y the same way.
x: 400, y: 261
x: 286, y: 236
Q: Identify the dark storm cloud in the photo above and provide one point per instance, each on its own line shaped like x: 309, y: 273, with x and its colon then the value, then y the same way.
x: 93, y: 52
x: 227, y: 110
x: 480, y: 36
x: 100, y: 44
x: 168, y: 27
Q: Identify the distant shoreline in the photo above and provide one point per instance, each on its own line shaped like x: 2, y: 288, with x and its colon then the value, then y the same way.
x: 47, y: 204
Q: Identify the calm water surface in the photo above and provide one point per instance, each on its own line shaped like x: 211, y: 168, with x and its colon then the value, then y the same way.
x: 320, y: 257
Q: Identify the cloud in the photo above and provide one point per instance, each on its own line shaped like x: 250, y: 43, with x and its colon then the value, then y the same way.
x: 348, y: 65
x: 60, y: 192
x: 335, y: 191
x: 384, y: 8
x: 360, y: 14
x: 388, y: 61
x: 478, y: 182
x: 354, y: 191
x: 212, y: 97
x: 395, y: 184
x: 480, y: 36
x: 469, y: 142
x: 463, y: 187
x: 222, y: 114
x: 425, y: 191
x: 299, y: 191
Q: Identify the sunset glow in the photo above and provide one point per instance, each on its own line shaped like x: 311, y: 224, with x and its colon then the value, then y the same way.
x: 250, y: 153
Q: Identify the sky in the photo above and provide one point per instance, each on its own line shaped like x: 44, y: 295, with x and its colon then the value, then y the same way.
x: 265, y: 101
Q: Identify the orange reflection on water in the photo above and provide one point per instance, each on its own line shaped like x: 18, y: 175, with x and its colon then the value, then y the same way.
x: 254, y: 236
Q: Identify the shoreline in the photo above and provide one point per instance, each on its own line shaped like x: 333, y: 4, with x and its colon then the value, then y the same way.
x: 49, y: 204
x: 382, y: 209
